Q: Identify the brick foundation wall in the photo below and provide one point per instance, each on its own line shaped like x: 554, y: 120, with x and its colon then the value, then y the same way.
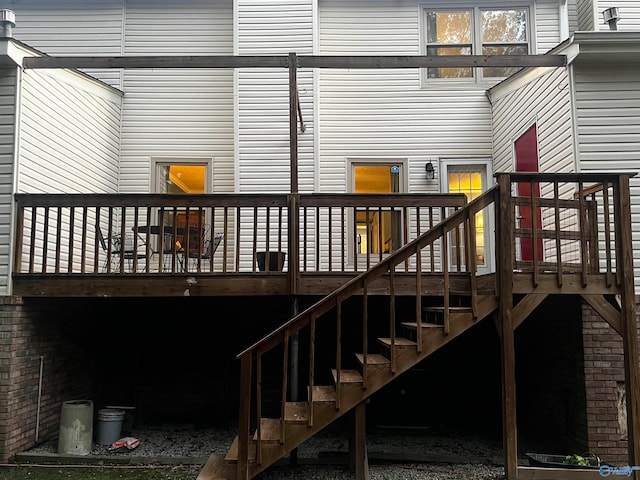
x: 30, y: 330
x: 605, y: 388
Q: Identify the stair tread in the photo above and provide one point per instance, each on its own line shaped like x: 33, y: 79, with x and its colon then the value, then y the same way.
x: 232, y: 453
x: 347, y: 376
x: 373, y: 359
x: 423, y: 325
x: 440, y: 308
x: 324, y: 393
x: 399, y: 341
x: 296, y: 412
x: 270, y: 429
x: 216, y: 468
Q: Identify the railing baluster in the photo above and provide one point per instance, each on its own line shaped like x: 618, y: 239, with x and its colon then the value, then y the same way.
x: 312, y: 363
x: 419, y: 297
x: 445, y: 273
x: 338, y: 351
x: 45, y: 239
x: 343, y: 235
x: 255, y: 240
x: 285, y: 381
x: 72, y: 227
x: 584, y: 253
x: 83, y: 253
x: 330, y: 239
x: 432, y: 251
x: 556, y: 199
x: 534, y: 232
x: 317, y: 243
x: 238, y: 211
x: 305, y: 238
x: 470, y: 234
x: 96, y: 242
x: 32, y: 240
x: 258, y: 408
x: 365, y: 332
x: 607, y: 232
x: 58, y: 238
x: 244, y: 414
x: 392, y: 318
x: 380, y: 235
x: 356, y: 244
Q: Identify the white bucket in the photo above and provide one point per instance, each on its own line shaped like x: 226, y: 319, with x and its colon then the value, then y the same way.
x: 109, y: 426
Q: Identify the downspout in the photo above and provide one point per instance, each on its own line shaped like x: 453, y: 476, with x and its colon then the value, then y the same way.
x: 7, y: 19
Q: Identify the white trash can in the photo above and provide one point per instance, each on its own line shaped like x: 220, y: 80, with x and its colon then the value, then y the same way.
x: 76, y: 428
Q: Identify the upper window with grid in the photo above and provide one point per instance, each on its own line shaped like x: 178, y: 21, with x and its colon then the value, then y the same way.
x: 476, y: 31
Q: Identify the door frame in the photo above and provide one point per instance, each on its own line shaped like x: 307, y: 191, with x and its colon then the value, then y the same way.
x: 403, y: 184
x: 486, y: 164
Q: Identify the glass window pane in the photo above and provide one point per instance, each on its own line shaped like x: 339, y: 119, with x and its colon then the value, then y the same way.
x: 504, y: 26
x: 449, y: 27
x: 449, y: 72
x: 489, y: 72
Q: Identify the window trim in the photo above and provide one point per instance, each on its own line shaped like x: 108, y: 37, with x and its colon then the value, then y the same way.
x: 476, y: 32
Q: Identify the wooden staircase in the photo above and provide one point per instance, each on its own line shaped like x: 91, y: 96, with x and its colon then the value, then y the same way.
x: 571, y: 264
x: 276, y: 437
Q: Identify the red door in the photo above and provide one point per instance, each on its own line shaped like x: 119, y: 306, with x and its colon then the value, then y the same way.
x: 527, y: 161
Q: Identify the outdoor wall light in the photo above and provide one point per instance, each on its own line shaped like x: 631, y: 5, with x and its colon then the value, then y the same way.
x: 430, y: 171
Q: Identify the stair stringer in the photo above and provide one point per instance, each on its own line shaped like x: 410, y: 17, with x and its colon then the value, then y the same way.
x: 326, y: 412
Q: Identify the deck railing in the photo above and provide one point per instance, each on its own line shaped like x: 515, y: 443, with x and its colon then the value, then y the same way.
x: 140, y: 234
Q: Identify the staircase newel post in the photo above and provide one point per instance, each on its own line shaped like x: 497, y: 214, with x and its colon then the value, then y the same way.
x: 244, y: 415
x: 504, y: 228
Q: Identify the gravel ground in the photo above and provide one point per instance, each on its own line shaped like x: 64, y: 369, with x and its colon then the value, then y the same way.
x: 393, y: 454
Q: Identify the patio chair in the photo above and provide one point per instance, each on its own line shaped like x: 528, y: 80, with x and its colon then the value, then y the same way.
x: 209, y: 248
x: 121, y: 247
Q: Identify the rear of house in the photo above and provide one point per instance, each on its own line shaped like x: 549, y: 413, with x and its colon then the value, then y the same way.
x: 140, y: 130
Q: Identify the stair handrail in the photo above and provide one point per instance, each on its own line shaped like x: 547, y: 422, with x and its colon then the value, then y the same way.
x: 359, y: 283
x: 403, y: 253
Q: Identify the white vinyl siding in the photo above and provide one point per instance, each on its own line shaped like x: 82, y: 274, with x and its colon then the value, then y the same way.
x: 608, y: 126
x: 546, y: 26
x: 69, y: 139
x: 8, y: 79
x: 629, y: 11
x: 265, y: 27
x: 177, y: 113
x: 73, y: 27
x: 546, y: 102
x: 386, y: 113
x: 586, y: 15
x: 590, y: 16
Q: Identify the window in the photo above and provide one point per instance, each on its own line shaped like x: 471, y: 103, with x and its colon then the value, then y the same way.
x: 476, y: 31
x: 183, y: 177
x: 377, y: 231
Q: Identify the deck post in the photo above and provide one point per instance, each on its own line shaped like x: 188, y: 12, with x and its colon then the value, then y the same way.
x: 629, y: 323
x: 358, y: 459
x: 504, y: 228
x: 244, y: 418
x: 294, y: 197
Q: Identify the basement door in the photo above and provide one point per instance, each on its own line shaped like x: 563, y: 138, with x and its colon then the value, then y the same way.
x: 526, y: 152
